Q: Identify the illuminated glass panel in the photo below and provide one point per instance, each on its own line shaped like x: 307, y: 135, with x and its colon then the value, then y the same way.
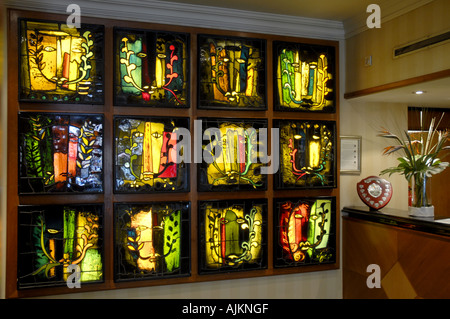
x: 60, y: 153
x: 152, y: 240
x: 305, y: 231
x: 149, y: 154
x: 307, y: 154
x: 232, y: 72
x: 50, y: 238
x: 305, y: 76
x: 61, y: 64
x: 152, y: 68
x: 231, y: 155
x: 232, y: 235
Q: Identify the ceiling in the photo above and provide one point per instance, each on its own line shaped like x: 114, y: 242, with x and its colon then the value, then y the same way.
x: 437, y: 92
x: 323, y: 9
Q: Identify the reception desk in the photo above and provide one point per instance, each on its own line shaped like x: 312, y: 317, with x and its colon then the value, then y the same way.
x: 408, y: 256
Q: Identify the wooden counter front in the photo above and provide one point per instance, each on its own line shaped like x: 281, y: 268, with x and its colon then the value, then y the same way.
x: 413, y: 255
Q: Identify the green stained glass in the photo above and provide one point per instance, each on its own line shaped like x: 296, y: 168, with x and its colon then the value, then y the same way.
x: 152, y: 68
x: 304, y: 77
x: 152, y: 240
x: 60, y: 153
x: 61, y: 64
x: 232, y: 235
x: 53, y: 237
x: 305, y: 231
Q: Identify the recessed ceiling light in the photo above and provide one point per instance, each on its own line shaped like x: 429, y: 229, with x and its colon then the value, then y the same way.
x: 419, y: 92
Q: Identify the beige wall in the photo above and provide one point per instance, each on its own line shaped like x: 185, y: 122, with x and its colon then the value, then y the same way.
x: 430, y: 19
x: 366, y: 119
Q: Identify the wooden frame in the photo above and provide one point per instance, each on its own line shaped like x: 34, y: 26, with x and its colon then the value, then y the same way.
x: 108, y: 198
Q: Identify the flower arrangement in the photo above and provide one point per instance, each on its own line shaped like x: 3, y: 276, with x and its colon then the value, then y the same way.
x: 420, y: 157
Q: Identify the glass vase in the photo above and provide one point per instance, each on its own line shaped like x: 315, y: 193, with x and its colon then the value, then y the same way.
x: 420, y: 201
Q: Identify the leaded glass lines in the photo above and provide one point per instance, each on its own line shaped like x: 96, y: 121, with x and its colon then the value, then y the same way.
x: 60, y: 64
x: 60, y: 153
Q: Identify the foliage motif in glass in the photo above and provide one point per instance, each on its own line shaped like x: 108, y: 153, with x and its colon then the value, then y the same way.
x: 53, y: 237
x: 231, y: 72
x: 232, y: 235
x: 152, y: 240
x: 305, y: 75
x: 149, y: 154
x: 304, y: 231
x: 60, y: 153
x: 231, y: 149
x: 152, y: 68
x: 61, y: 64
x: 307, y: 154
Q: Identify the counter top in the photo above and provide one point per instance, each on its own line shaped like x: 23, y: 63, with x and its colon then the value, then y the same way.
x: 400, y: 218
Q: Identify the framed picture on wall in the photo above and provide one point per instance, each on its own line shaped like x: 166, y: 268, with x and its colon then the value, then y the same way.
x: 231, y: 73
x: 304, y: 77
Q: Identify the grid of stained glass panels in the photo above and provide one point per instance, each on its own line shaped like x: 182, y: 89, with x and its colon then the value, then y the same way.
x: 55, y: 240
x: 232, y: 73
x: 307, y: 154
x: 304, y: 77
x: 231, y: 155
x: 232, y: 235
x: 60, y: 153
x: 152, y: 240
x: 61, y: 64
x: 151, y: 68
x: 151, y: 154
x: 304, y: 231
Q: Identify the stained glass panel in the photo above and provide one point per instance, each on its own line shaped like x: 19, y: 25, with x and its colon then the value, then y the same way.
x: 61, y: 64
x: 152, y: 240
x: 305, y: 231
x: 151, y: 154
x: 232, y: 235
x: 231, y: 73
x: 51, y: 238
x: 231, y: 155
x: 305, y: 77
x: 152, y: 68
x: 60, y: 153
x: 307, y: 154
